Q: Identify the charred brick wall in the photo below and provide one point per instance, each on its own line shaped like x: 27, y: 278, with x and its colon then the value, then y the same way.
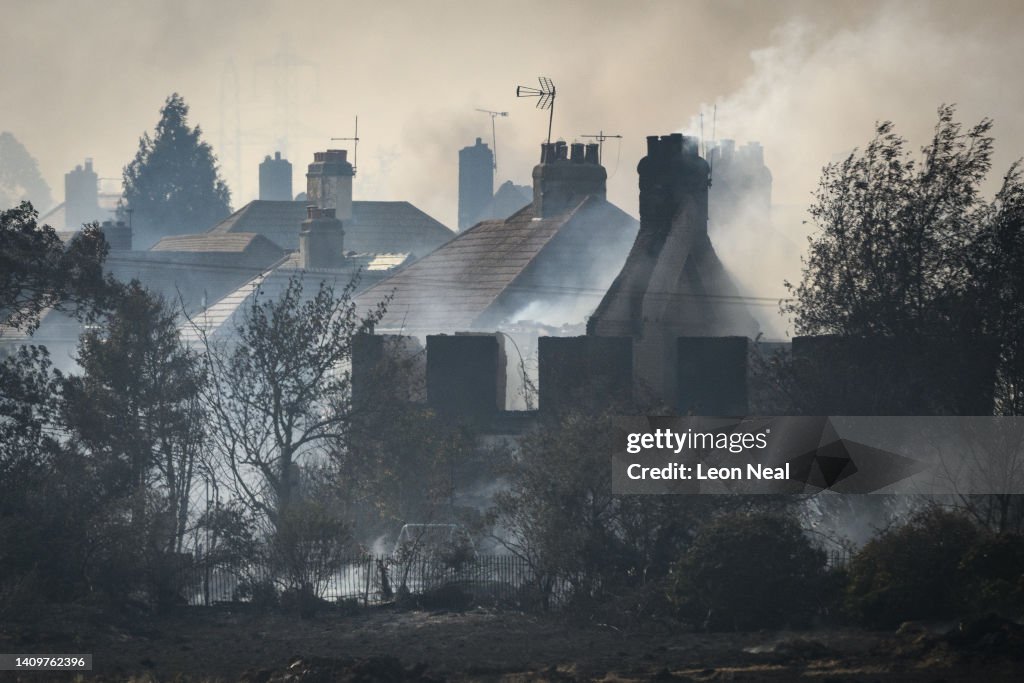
x: 466, y: 374
x: 582, y: 371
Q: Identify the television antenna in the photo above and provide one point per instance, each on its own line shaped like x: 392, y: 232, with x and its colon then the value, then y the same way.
x: 494, y: 138
x: 545, y: 95
x: 355, y: 151
x: 601, y: 137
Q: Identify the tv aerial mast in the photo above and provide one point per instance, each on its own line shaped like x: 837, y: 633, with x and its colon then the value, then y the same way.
x: 545, y: 98
x: 355, y: 151
x: 601, y: 137
x: 494, y: 138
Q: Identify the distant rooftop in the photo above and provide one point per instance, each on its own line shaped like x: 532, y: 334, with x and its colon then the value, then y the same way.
x: 376, y: 227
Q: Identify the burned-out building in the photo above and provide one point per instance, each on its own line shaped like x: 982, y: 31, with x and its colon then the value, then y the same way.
x: 672, y: 284
x: 552, y: 260
x: 669, y: 331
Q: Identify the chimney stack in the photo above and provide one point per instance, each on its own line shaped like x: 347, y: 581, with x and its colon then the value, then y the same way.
x: 672, y: 174
x: 321, y: 239
x: 565, y: 176
x: 81, y: 196
x: 118, y: 235
x: 276, y: 179
x: 476, y: 182
x: 329, y: 182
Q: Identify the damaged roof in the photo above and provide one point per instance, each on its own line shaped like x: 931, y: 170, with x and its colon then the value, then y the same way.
x: 498, y: 267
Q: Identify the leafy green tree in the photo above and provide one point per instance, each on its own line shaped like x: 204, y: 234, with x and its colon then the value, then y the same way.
x: 20, y: 179
x: 173, y: 186
x: 39, y: 272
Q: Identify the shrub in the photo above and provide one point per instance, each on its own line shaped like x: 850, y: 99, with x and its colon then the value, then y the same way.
x: 993, y: 571
x: 746, y: 572
x: 912, y: 571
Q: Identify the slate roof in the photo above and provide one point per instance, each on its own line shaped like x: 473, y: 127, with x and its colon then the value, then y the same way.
x: 375, y: 227
x: 497, y: 267
x: 234, y: 243
x: 508, y: 199
x: 194, y: 279
x: 215, y: 319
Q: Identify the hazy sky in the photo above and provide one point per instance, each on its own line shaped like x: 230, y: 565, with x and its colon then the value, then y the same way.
x: 808, y: 79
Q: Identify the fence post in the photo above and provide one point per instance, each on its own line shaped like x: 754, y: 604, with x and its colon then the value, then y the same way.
x: 206, y: 583
x: 368, y: 563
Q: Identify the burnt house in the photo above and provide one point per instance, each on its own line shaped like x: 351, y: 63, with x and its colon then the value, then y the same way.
x: 558, y: 254
x: 672, y: 284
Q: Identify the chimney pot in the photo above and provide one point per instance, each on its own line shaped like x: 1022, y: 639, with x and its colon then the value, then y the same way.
x: 576, y: 153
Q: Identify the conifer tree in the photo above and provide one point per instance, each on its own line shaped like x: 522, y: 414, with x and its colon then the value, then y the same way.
x: 172, y: 186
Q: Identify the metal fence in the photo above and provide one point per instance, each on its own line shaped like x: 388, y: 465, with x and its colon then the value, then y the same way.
x: 501, y: 580
x: 377, y: 579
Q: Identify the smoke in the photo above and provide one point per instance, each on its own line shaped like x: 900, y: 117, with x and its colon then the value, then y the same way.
x: 816, y: 93
x: 808, y: 79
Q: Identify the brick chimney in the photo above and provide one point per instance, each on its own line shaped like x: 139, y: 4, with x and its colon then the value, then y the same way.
x: 476, y: 182
x: 672, y: 176
x: 276, y: 178
x: 329, y: 182
x: 668, y: 286
x: 81, y: 196
x: 565, y: 176
x: 118, y: 235
x: 321, y: 239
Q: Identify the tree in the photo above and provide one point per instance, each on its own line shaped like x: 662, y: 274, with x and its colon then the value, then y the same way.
x: 893, y: 252
x: 1000, y: 272
x: 53, y: 496
x: 716, y: 585
x: 172, y: 186
x: 136, y: 408
x: 39, y: 272
x: 560, y: 515
x: 20, y: 179
x: 280, y: 389
x: 913, y: 251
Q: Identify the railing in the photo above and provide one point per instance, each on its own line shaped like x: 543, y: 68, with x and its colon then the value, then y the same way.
x: 500, y: 580
x: 373, y: 580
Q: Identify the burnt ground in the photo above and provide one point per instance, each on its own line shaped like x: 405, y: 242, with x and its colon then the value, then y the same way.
x: 233, y: 644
